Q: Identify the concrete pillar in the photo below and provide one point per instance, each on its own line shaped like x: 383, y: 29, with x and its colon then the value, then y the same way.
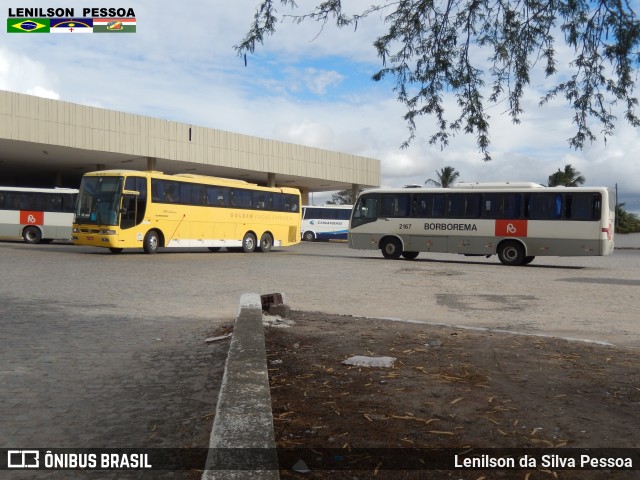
x: 304, y: 196
x: 355, y: 190
x: 271, y: 179
x: 152, y: 163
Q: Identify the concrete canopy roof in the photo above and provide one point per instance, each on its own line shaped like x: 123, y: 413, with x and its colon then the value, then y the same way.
x: 42, y: 137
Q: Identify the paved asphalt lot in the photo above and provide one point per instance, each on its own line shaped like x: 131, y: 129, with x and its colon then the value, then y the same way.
x: 102, y: 350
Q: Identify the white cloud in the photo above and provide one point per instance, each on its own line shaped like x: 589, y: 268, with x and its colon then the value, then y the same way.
x: 19, y: 73
x: 319, y: 80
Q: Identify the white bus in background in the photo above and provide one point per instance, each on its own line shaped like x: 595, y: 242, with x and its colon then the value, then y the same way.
x: 37, y: 215
x: 516, y: 221
x: 327, y: 222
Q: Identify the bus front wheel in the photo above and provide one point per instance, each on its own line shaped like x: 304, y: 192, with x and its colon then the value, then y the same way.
x: 391, y: 248
x: 410, y: 255
x: 249, y: 242
x: 32, y: 235
x: 308, y: 236
x: 266, y: 242
x: 151, y: 242
x: 511, y: 253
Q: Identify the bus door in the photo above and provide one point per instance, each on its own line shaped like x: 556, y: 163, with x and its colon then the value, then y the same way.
x: 134, y: 202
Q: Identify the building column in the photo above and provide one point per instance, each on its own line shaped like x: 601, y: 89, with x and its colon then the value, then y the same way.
x: 271, y: 179
x: 355, y: 190
x: 304, y: 196
x: 152, y: 163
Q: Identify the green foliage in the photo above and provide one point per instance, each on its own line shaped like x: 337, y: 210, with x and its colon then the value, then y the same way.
x: 343, y: 197
x: 433, y: 48
x: 626, y: 222
x: 447, y: 176
x: 569, y: 177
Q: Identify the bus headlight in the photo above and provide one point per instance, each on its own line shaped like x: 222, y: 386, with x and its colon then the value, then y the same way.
x: 105, y: 231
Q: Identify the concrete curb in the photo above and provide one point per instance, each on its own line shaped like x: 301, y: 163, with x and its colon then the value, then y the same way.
x: 244, y: 422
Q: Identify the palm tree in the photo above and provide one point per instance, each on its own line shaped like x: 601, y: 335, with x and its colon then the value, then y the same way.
x: 626, y: 222
x: 570, y: 177
x: 447, y: 176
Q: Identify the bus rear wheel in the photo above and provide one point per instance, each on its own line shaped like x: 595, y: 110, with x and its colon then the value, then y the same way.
x: 391, y: 248
x: 511, y: 253
x: 410, y: 255
x: 151, y: 242
x: 32, y: 235
x: 266, y: 242
x: 249, y: 242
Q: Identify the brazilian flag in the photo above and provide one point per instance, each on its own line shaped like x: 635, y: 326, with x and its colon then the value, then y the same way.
x: 28, y: 25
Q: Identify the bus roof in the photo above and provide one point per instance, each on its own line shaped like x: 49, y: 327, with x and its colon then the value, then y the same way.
x: 498, y: 187
x: 328, y: 206
x: 505, y: 185
x: 39, y: 190
x: 190, y: 177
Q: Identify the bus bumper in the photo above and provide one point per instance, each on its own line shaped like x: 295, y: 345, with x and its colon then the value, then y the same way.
x: 96, y: 239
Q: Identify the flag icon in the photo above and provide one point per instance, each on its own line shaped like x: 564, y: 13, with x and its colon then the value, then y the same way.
x: 114, y: 25
x: 71, y: 25
x: 27, y: 25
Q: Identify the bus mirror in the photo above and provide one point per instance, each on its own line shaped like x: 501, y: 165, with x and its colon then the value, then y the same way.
x: 131, y: 192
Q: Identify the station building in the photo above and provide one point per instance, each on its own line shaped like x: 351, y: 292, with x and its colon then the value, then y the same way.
x: 46, y: 143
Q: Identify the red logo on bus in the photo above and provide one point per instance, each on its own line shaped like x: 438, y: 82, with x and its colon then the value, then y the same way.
x: 31, y: 218
x: 511, y: 228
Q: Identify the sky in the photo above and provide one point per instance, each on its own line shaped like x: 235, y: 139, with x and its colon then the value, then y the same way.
x: 307, y: 85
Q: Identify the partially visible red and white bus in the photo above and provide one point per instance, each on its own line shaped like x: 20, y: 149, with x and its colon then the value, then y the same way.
x: 37, y: 215
x: 516, y: 221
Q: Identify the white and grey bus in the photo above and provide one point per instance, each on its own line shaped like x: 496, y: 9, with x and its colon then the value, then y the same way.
x: 516, y: 221
x: 37, y: 214
x: 325, y: 222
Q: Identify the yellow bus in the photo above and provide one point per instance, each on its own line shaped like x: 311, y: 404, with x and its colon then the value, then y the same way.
x: 119, y: 209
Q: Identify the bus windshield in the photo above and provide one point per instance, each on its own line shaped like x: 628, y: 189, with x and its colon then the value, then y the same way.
x: 99, y: 200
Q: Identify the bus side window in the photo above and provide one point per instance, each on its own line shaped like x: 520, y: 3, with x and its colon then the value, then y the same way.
x: 395, y: 205
x: 581, y: 206
x: 259, y: 200
x: 55, y: 202
x: 216, y: 196
x: 69, y: 203
x: 511, y: 205
x: 294, y: 203
x: 343, y: 214
x: 596, y: 206
x: 473, y: 205
x: 371, y: 208
x: 365, y: 211
x: 439, y: 204
x: 545, y: 206
x: 423, y: 205
x: 13, y: 201
x: 490, y: 206
x: 557, y: 206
